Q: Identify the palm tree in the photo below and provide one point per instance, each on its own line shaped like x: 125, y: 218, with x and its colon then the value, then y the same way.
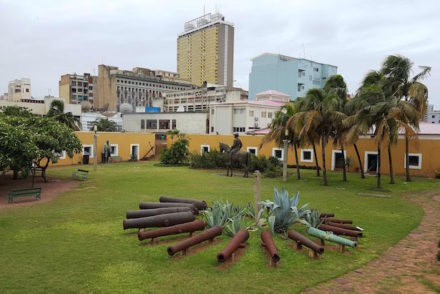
x: 56, y: 111
x: 410, y: 92
x: 279, y: 131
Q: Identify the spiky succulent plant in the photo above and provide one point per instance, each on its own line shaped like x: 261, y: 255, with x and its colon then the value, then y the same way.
x: 221, y: 212
x: 313, y: 218
x: 283, y: 211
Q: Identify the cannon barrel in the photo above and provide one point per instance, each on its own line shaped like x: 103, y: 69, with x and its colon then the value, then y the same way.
x: 340, y: 231
x: 303, y: 240
x: 266, y: 238
x: 233, y: 245
x: 153, y: 205
x: 177, y: 229
x: 161, y: 220
x: 341, y: 221
x: 324, y: 215
x: 200, y: 204
x: 157, y: 211
x: 330, y: 237
x: 203, y: 236
x: 344, y: 226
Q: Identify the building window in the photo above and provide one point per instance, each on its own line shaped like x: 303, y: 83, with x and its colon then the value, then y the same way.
x: 278, y: 153
x: 338, y: 159
x: 415, y: 160
x: 87, y: 150
x: 61, y: 155
x: 142, y: 124
x: 151, y: 124
x: 212, y: 129
x: 306, y: 155
x: 433, y: 116
x: 269, y: 114
x: 263, y: 114
x: 300, y: 87
x: 316, y: 69
x: 164, y: 124
x: 238, y: 129
x: 114, y: 150
x: 204, y: 149
x: 251, y: 113
x: 173, y: 124
x: 252, y: 150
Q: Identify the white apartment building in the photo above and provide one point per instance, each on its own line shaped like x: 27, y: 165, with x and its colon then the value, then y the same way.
x: 432, y: 116
x: 88, y: 119
x: 19, y: 90
x: 42, y: 106
x: 196, y: 100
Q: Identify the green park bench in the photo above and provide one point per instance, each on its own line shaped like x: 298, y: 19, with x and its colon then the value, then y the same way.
x: 115, y: 159
x: 25, y: 192
x: 80, y: 174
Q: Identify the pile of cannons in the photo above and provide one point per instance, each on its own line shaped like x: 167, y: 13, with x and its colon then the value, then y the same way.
x: 173, y: 216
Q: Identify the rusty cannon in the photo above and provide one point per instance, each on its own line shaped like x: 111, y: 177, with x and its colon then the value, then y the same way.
x: 325, y: 215
x: 161, y: 220
x: 335, y: 220
x: 209, y: 234
x: 237, y: 241
x: 340, y: 231
x: 345, y: 226
x: 304, y: 241
x: 269, y: 244
x: 200, y: 204
x: 154, y: 205
x: 155, y: 211
x: 173, y: 230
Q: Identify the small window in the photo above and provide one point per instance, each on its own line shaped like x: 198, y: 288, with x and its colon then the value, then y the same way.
x: 316, y: 69
x: 306, y: 155
x: 61, y: 155
x: 204, y: 149
x: 173, y: 124
x: 142, y: 124
x: 433, y: 116
x: 88, y: 150
x: 252, y: 150
x: 164, y: 124
x: 114, y: 150
x: 151, y: 124
x: 212, y: 129
x: 415, y: 161
x: 251, y: 113
x: 263, y: 114
x: 269, y: 114
x: 278, y: 153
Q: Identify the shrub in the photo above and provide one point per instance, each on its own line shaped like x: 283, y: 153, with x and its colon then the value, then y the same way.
x: 274, y: 171
x: 259, y: 163
x: 437, y: 174
x: 438, y: 256
x: 274, y: 161
x: 213, y: 159
x: 177, y: 154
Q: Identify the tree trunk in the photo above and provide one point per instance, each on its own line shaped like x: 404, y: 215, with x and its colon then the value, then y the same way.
x: 408, y: 178
x: 391, y: 164
x: 344, y: 170
x: 324, y: 170
x: 360, y: 162
x: 379, y: 184
x: 316, y: 159
x: 296, y: 160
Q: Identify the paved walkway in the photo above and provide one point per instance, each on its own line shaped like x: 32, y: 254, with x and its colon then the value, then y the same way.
x: 408, y: 267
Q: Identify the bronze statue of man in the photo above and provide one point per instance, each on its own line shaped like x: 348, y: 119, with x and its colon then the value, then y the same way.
x: 236, y: 146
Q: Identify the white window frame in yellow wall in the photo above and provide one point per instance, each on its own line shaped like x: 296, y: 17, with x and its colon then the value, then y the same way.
x: 204, y: 145
x: 419, y: 155
x: 282, y: 153
x: 251, y: 147
x: 302, y: 155
x: 116, y: 150
x: 91, y: 148
x: 138, y: 150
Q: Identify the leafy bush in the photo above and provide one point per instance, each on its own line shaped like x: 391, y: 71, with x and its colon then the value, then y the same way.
x: 177, y: 154
x: 274, y: 171
x: 283, y: 211
x: 437, y: 174
x: 213, y: 159
x: 259, y: 163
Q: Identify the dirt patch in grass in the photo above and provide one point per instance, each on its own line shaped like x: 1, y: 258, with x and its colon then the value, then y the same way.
x: 407, y: 267
x: 49, y: 190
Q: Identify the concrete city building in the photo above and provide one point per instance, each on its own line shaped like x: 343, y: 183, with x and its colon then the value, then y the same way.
x: 75, y: 88
x: 293, y: 76
x: 205, y: 51
x: 138, y: 87
x: 432, y: 116
x: 88, y: 119
x: 42, y: 106
x: 161, y: 122
x: 245, y: 116
x: 196, y: 100
x: 19, y: 90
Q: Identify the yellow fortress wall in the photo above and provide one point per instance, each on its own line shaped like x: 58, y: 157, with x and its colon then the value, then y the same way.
x: 427, y: 147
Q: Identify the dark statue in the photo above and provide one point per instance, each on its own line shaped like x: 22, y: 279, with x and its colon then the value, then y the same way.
x: 234, y: 157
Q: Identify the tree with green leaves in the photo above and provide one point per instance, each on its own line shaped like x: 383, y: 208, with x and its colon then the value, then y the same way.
x: 105, y: 125
x: 56, y: 111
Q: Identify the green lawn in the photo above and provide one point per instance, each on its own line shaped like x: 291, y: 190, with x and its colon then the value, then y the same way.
x: 76, y: 242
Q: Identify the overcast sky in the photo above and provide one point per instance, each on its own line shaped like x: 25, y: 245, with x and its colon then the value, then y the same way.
x: 44, y: 39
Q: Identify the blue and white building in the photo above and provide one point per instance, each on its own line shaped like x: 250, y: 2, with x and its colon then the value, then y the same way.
x: 293, y: 76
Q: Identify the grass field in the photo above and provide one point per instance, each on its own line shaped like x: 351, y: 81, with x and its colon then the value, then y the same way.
x: 76, y: 242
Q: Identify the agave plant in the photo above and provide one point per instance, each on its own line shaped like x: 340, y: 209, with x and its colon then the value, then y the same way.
x: 221, y: 212
x: 234, y: 225
x: 283, y: 211
x: 313, y: 218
